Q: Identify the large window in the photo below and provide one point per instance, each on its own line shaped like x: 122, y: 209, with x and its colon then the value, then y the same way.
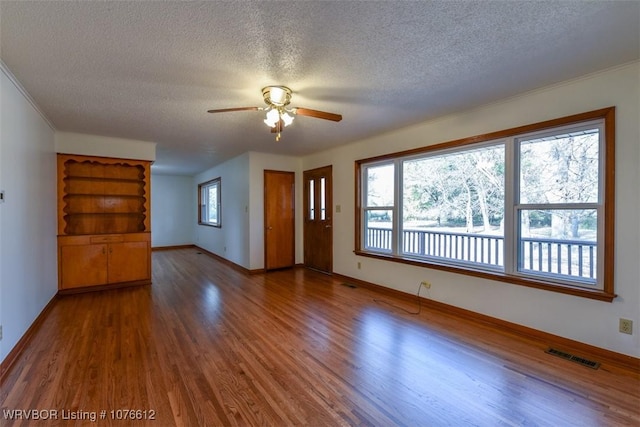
x: 531, y: 205
x: 209, y: 206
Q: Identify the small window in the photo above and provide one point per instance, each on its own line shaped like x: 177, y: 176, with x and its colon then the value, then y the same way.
x: 209, y: 206
x: 379, y: 207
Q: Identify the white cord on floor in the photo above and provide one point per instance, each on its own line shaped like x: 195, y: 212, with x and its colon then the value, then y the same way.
x: 420, y: 284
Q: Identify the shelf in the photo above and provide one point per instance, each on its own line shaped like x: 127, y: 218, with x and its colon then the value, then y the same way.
x: 105, y: 187
x: 104, y: 213
x: 97, y: 203
x: 100, y: 179
x: 102, y: 195
x: 101, y: 168
x: 90, y: 195
x: 104, y: 223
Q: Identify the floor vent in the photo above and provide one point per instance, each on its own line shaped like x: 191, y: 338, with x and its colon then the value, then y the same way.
x: 349, y: 285
x: 199, y: 253
x: 584, y: 362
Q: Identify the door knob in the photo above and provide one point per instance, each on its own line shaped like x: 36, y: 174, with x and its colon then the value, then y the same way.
x: 327, y: 226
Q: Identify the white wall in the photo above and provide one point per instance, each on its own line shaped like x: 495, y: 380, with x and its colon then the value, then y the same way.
x: 241, y: 238
x: 104, y: 146
x: 589, y: 321
x: 173, y: 203
x: 259, y: 162
x: 231, y: 241
x: 28, y: 261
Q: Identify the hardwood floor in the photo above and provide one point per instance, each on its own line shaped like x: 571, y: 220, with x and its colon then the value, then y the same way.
x: 207, y: 345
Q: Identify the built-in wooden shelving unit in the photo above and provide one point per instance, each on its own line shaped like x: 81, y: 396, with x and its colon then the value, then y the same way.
x: 103, y: 222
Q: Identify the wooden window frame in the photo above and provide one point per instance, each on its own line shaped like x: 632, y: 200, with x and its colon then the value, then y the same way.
x: 606, y: 229
x: 201, y: 205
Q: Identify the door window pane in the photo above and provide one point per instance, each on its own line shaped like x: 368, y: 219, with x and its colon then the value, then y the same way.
x: 323, y: 201
x: 312, y: 201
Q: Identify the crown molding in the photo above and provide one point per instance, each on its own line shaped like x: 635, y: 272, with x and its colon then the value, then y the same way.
x: 13, y: 79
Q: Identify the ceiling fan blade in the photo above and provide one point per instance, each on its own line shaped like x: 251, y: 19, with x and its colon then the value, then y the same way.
x: 317, y: 114
x: 226, y: 110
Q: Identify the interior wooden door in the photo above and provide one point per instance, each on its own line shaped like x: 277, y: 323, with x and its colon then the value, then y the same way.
x: 279, y: 219
x: 318, y: 221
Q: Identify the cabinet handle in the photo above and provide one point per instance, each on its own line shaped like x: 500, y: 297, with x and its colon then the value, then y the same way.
x: 110, y: 250
x: 103, y: 251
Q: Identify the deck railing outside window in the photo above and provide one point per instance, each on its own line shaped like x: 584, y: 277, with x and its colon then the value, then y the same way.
x: 569, y: 258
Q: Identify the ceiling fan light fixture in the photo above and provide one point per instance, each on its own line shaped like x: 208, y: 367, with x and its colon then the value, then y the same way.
x: 287, y: 118
x: 273, y: 117
x: 278, y: 96
x: 278, y: 116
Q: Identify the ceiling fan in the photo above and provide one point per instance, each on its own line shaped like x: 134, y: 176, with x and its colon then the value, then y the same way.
x: 279, y: 116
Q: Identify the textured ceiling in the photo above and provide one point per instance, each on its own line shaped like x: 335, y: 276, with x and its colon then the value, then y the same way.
x: 149, y: 70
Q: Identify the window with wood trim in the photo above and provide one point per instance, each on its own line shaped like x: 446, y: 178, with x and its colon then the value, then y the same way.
x: 531, y: 205
x: 209, y: 203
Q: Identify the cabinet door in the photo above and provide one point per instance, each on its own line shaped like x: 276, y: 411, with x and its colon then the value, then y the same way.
x: 128, y: 261
x: 83, y: 265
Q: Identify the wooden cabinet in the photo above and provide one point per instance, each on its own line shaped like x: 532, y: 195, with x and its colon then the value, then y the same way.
x: 104, y: 236
x: 104, y: 260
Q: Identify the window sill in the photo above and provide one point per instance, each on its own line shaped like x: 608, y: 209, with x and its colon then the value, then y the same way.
x: 596, y: 294
x: 210, y: 225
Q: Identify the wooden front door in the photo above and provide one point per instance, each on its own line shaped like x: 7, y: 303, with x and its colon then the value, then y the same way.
x: 318, y: 221
x: 279, y: 219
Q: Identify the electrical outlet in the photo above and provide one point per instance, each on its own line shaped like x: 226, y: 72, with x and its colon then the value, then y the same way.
x: 0, y: 332
x: 626, y: 326
x: 359, y: 266
x: 426, y: 284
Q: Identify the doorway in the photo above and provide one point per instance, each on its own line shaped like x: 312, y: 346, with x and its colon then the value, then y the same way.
x: 318, y: 219
x: 279, y: 219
